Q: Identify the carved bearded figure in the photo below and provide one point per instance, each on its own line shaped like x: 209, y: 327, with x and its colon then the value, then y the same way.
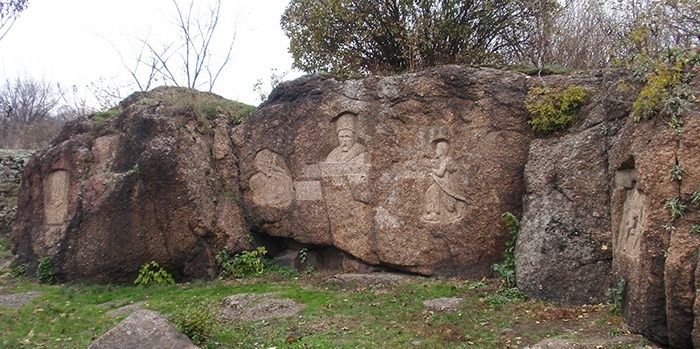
x: 348, y: 150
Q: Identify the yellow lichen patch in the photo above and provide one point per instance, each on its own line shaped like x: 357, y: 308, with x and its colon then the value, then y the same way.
x: 553, y: 109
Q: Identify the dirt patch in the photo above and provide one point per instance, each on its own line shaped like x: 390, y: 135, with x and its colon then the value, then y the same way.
x: 587, y: 326
x: 371, y: 280
x: 630, y: 341
x: 253, y: 306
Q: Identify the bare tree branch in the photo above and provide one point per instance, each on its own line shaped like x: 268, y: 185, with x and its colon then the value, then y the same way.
x: 190, y: 58
x: 9, y: 11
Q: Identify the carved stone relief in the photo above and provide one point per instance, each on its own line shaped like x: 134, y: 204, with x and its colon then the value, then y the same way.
x: 350, y: 158
x: 633, y: 214
x: 56, y: 187
x: 443, y: 203
x: 272, y: 185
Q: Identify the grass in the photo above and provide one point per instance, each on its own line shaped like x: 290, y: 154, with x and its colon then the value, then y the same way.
x: 206, y: 106
x: 5, y: 246
x: 73, y: 315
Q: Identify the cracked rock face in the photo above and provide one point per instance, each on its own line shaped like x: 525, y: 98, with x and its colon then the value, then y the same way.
x: 410, y: 171
x: 564, y: 250
x: 154, y: 183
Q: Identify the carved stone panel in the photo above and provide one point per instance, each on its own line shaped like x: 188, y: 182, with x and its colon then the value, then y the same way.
x: 443, y: 203
x: 272, y: 185
x: 631, y: 224
x: 56, y: 188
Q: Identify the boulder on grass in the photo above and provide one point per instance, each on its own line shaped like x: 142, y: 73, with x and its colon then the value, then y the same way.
x: 143, y: 329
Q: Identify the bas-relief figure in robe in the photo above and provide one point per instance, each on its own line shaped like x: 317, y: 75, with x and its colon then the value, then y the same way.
x: 443, y: 203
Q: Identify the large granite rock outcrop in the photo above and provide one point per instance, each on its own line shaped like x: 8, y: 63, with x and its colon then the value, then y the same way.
x: 596, y: 212
x: 154, y: 179
x: 410, y: 171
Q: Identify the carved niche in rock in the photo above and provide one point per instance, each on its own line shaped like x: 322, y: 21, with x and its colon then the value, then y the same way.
x: 56, y: 197
x: 633, y: 215
x: 271, y: 185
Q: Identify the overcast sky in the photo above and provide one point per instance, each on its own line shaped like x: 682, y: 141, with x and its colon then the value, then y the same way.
x: 76, y: 42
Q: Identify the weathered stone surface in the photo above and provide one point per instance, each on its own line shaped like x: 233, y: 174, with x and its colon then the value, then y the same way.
x: 443, y: 304
x: 144, y: 329
x: 656, y: 255
x: 157, y: 182
x: 18, y: 299
x: 12, y: 164
x: 644, y: 152
x: 409, y: 171
x: 255, y: 306
x: 564, y: 250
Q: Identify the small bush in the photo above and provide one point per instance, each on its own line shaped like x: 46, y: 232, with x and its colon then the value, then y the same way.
x: 695, y: 229
x: 615, y: 296
x: 303, y: 255
x: 19, y: 270
x: 505, y: 295
x: 666, y: 91
x: 676, y: 207
x: 676, y: 173
x: 44, y: 270
x: 195, y: 322
x: 476, y: 285
x: 655, y: 92
x: 506, y: 269
x: 152, y: 273
x: 244, y: 264
x: 695, y: 198
x: 553, y: 109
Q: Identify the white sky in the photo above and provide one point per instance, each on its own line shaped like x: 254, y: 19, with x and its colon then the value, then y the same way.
x: 73, y: 41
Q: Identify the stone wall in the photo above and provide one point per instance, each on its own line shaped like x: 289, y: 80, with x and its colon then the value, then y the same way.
x: 11, y: 166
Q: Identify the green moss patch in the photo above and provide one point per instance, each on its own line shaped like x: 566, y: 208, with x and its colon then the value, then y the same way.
x: 552, y: 108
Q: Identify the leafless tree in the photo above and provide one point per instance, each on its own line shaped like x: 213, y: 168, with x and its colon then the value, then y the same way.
x: 190, y: 59
x: 9, y: 10
x: 26, y: 113
x: 27, y: 100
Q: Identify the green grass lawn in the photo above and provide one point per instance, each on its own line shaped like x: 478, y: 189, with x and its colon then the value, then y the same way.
x: 74, y: 315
